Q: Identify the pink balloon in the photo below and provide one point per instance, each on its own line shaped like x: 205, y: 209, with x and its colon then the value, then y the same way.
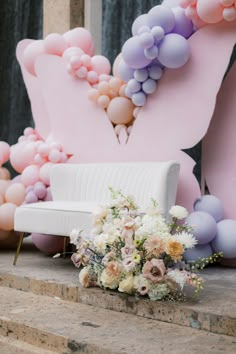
x: 48, y: 244
x: 28, y: 131
x: 100, y: 64
x: 31, y: 197
x: 210, y: 11
x: 40, y: 190
x: 55, y: 44
x: 7, y: 212
x: 22, y: 155
x: 15, y: 194
x: 30, y: 175
x: 30, y: 54
x: 4, y: 173
x: 80, y: 37
x: 120, y: 110
x: 45, y: 173
x: 116, y: 64
x: 72, y: 52
x: 39, y: 160
x: 4, y: 152
x: 1, y: 199
x: 54, y: 156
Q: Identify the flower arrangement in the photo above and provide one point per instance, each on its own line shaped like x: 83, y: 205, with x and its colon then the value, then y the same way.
x: 138, y: 253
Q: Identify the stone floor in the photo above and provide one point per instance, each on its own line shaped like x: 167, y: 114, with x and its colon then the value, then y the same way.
x: 43, y: 306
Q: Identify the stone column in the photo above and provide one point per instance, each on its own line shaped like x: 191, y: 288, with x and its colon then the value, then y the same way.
x: 61, y: 15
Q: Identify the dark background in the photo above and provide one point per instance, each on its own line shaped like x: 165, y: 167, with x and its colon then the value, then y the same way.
x: 24, y: 19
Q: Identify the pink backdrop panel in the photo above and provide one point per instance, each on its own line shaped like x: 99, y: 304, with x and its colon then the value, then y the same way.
x: 179, y: 112
x: 40, y: 115
x: 219, y: 160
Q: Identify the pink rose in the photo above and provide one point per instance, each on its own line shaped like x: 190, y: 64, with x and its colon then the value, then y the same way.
x: 76, y: 259
x: 154, y: 270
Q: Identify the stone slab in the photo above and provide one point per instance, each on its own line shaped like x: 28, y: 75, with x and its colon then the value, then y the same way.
x: 13, y: 346
x: 67, y: 327
x: 215, y: 311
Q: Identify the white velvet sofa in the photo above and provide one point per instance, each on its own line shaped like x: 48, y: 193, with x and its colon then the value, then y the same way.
x: 78, y: 188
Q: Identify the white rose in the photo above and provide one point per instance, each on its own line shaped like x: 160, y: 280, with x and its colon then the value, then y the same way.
x: 109, y: 280
x: 127, y: 285
x: 74, y: 236
x: 178, y: 212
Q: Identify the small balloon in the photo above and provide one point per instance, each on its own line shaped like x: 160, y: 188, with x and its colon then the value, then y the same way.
x: 141, y: 74
x: 204, y: 226
x: 138, y: 23
x: 101, y: 65
x: 15, y: 194
x: 133, y: 54
x: 161, y: 16
x: 55, y: 44
x: 7, y: 212
x: 30, y: 175
x: 134, y: 86
x: 80, y: 37
x: 225, y: 240
x: 149, y: 86
x: 125, y: 72
x: 139, y: 99
x: 199, y: 251
x: 211, y: 205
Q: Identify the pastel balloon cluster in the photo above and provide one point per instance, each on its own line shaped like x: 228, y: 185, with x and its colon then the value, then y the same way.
x: 38, y: 192
x: 214, y: 234
x: 57, y: 44
x: 33, y: 157
x: 203, y: 12
x: 86, y: 67
x: 159, y: 40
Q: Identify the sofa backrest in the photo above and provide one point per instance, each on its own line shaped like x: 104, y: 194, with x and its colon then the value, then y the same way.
x: 91, y: 182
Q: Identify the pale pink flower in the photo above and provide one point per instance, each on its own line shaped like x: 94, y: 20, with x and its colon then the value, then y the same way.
x: 127, y: 251
x: 76, y: 259
x: 129, y: 263
x: 154, y: 246
x: 154, y: 270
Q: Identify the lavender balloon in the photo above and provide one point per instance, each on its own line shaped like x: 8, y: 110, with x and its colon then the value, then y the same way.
x: 173, y: 51
x: 40, y: 190
x: 133, y: 54
x: 138, y: 23
x: 225, y: 240
x: 155, y: 72
x: 183, y: 25
x: 149, y: 86
x: 134, y: 86
x: 125, y: 72
x: 171, y: 3
x: 204, y: 226
x: 31, y: 197
x: 139, y: 99
x: 211, y: 205
x: 151, y: 53
x: 146, y: 40
x: 141, y: 74
x: 161, y: 16
x: 199, y: 251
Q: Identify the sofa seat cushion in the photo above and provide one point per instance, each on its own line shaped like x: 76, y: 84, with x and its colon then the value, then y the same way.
x: 55, y: 217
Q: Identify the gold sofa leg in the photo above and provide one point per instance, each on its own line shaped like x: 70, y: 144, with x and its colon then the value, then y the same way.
x: 18, y: 247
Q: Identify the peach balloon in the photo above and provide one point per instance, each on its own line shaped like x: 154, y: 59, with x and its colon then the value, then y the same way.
x: 93, y: 95
x: 15, y: 194
x: 55, y: 44
x: 116, y: 64
x: 120, y: 110
x: 80, y: 37
x: 103, y: 87
x: 30, y: 175
x: 4, y: 173
x: 3, y: 186
x: 100, y: 64
x: 115, y: 84
x: 103, y: 101
x: 4, y: 152
x: 210, y: 11
x: 7, y: 212
x: 30, y: 54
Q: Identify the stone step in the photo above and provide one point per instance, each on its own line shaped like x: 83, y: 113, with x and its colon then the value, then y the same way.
x: 215, y: 311
x: 10, y: 345
x: 67, y: 327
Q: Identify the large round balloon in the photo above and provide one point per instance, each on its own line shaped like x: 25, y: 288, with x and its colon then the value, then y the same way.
x: 210, y: 11
x: 133, y: 54
x: 120, y: 110
x: 204, y: 226
x: 161, y: 16
x: 199, y: 251
x: 225, y: 240
x: 7, y: 212
x: 173, y: 51
x: 48, y: 244
x: 211, y: 205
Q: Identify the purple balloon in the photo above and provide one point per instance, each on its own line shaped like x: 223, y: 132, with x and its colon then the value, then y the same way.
x: 158, y: 33
x: 173, y: 51
x: 225, y: 240
x: 128, y: 93
x: 211, y: 205
x: 146, y: 40
x: 48, y: 196
x: 31, y: 197
x: 134, y: 86
x: 125, y: 72
x: 138, y: 23
x: 133, y: 54
x: 199, y: 251
x: 48, y: 244
x: 29, y: 189
x: 40, y: 190
x: 149, y: 86
x: 141, y: 74
x: 161, y: 16
x: 139, y: 99
x: 204, y: 226
x: 183, y: 25
x: 155, y: 72
x: 171, y: 3
x: 151, y: 53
